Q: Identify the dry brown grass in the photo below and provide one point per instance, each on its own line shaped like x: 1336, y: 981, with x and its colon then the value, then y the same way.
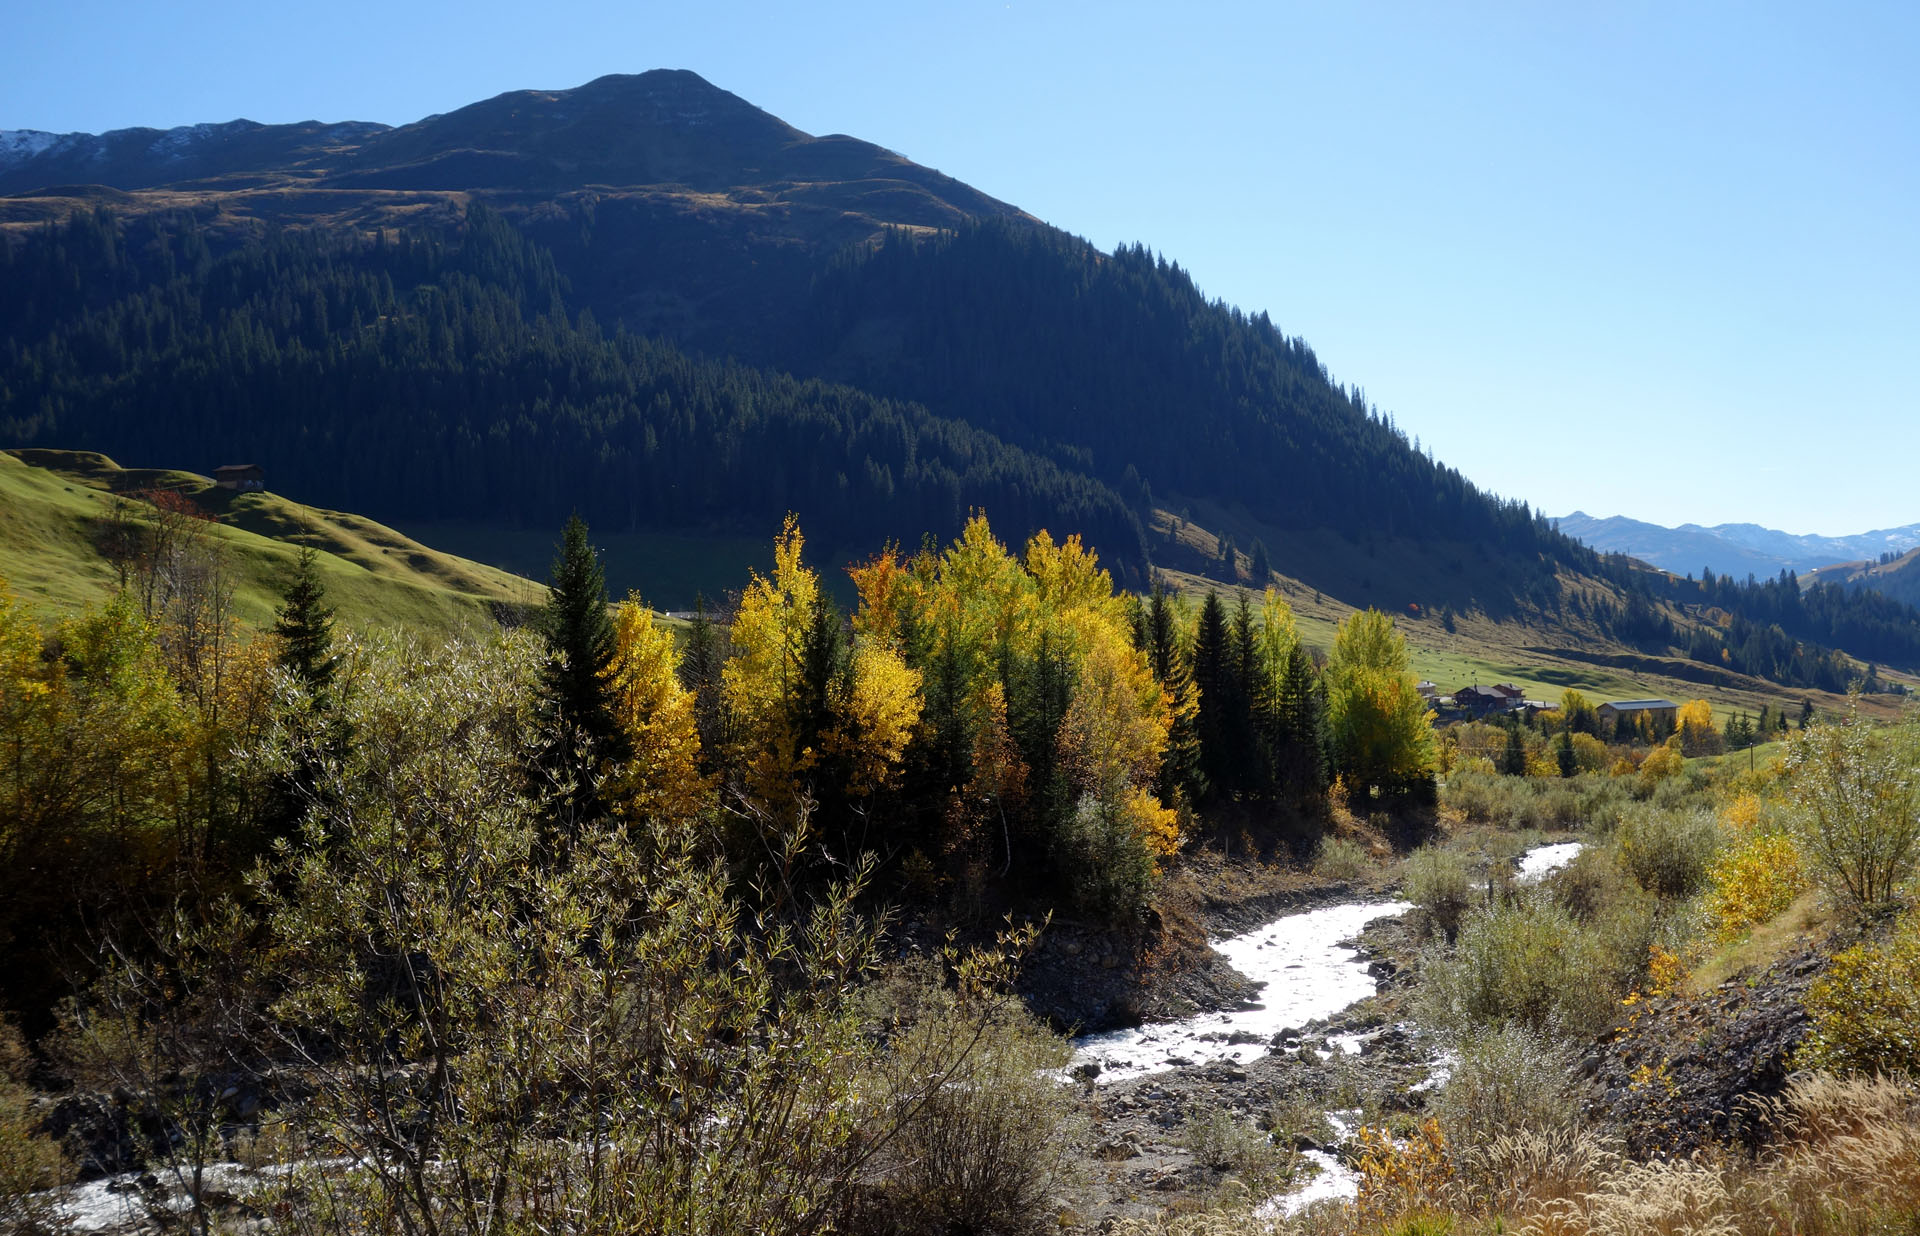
x: 1845, y: 1162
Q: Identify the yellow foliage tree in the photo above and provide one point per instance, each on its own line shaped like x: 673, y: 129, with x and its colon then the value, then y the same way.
x: 661, y: 782
x: 1111, y: 741
x: 1661, y: 763
x: 879, y: 717
x: 762, y: 677
x: 1695, y: 729
x: 1381, y: 727
x: 1591, y: 754
x: 761, y: 681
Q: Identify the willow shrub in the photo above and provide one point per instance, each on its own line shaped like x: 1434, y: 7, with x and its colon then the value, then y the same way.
x: 1511, y: 1080
x: 1531, y: 962
x: 520, y: 1022
x: 1435, y: 879
x: 30, y: 1162
x: 1856, y: 792
x: 1669, y: 852
x: 1866, y: 1008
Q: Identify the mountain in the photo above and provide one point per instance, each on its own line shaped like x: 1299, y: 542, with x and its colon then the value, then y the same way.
x: 649, y: 302
x: 666, y: 127
x: 1898, y: 578
x: 1732, y: 549
x: 1029, y: 373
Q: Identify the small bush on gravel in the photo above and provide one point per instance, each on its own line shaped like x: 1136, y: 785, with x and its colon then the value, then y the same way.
x: 1511, y: 1080
x: 1866, y: 1008
x: 1220, y: 1140
x: 1436, y: 880
x: 1341, y: 859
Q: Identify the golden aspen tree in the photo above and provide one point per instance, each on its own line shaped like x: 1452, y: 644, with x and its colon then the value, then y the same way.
x: 878, y: 717
x: 1695, y: 727
x: 761, y: 680
x: 1111, y: 742
x: 660, y: 782
x: 1382, y: 729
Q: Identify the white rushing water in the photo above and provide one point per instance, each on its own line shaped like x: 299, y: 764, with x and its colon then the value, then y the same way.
x: 1307, y: 975
x: 1542, y: 859
x: 1334, y: 1182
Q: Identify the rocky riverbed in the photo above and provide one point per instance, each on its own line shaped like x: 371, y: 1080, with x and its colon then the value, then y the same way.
x: 1313, y: 1042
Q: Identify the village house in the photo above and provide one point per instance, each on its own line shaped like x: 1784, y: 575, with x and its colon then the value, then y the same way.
x: 1479, y: 700
x: 244, y: 477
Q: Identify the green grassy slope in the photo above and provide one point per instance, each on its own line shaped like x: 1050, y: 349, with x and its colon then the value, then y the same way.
x: 53, y: 502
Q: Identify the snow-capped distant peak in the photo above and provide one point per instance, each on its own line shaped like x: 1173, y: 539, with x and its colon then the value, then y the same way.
x: 174, y: 142
x: 19, y: 145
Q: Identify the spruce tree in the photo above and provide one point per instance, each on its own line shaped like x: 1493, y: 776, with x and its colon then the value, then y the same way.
x: 1513, y: 761
x: 700, y: 674
x: 1213, y: 678
x: 305, y: 627
x: 579, y: 635
x: 1303, y: 752
x: 1563, y: 754
x: 1180, y: 767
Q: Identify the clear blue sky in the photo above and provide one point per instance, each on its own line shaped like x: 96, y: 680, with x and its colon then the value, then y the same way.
x: 1652, y: 259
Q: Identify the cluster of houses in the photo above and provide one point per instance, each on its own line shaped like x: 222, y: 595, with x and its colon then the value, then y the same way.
x: 1476, y: 702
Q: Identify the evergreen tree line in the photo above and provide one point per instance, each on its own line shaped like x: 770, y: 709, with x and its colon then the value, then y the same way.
x: 1117, y: 364
x: 435, y: 375
x: 442, y: 376
x: 1773, y: 629
x: 1249, y: 701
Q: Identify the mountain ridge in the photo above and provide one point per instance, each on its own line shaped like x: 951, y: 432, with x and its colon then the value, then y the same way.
x: 1732, y: 548
x: 661, y: 127
x: 411, y: 324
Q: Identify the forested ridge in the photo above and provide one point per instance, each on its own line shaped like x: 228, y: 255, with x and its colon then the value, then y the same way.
x: 439, y: 376
x: 1120, y: 364
x: 451, y: 372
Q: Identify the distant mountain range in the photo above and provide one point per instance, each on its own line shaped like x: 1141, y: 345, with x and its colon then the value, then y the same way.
x: 1733, y: 549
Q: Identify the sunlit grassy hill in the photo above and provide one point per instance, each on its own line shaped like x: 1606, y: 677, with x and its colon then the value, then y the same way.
x: 56, y: 506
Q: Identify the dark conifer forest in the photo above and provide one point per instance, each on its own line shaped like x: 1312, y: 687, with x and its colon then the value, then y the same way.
x: 452, y: 372
x: 442, y: 376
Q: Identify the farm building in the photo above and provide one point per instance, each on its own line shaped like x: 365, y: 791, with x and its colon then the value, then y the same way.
x: 240, y: 476
x: 1479, y: 700
x: 1660, y: 710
